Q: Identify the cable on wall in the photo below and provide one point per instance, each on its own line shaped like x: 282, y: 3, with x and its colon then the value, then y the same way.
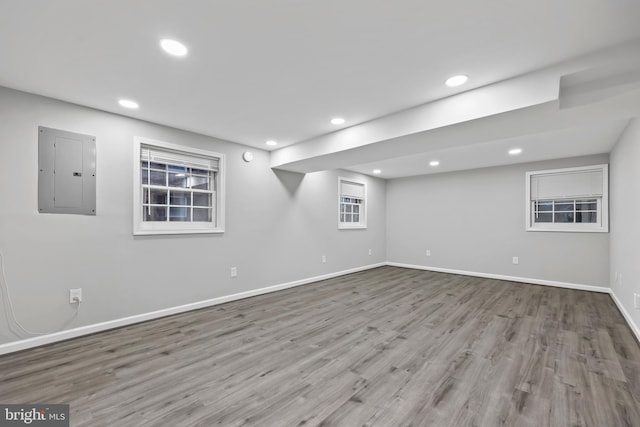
x: 12, y: 320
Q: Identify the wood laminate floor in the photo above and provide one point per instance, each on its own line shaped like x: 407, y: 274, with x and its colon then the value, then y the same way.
x: 384, y: 347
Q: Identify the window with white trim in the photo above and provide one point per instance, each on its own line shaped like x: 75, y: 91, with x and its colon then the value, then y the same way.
x: 352, y: 207
x: 570, y: 199
x: 177, y: 189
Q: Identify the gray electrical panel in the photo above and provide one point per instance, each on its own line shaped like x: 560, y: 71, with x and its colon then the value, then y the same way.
x: 66, y: 172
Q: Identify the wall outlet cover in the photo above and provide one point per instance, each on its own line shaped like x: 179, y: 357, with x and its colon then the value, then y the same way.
x: 75, y: 296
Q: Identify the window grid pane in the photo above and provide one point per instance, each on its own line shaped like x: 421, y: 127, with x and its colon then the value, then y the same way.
x: 350, y: 210
x: 171, y: 192
x: 351, y: 204
x: 574, y: 211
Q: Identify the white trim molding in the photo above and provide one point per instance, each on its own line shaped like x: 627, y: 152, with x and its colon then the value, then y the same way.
x: 602, y: 289
x: 179, y: 155
x: 130, y: 320
x: 594, y: 186
x: 527, y: 280
x: 634, y: 328
x: 353, y: 189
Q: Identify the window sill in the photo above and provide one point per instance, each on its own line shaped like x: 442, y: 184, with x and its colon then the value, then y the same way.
x: 569, y: 230
x: 352, y: 227
x: 192, y: 231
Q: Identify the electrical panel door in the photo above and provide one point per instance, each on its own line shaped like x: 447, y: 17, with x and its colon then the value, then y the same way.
x: 66, y: 172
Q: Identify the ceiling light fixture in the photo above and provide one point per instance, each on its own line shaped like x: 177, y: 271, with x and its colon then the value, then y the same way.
x: 458, y: 80
x: 434, y: 163
x: 127, y: 103
x: 377, y: 171
x: 173, y: 47
x: 515, y: 151
x: 271, y: 142
x: 337, y: 121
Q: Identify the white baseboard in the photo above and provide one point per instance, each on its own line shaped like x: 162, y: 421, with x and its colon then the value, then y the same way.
x: 632, y: 325
x: 125, y: 321
x: 626, y: 316
x: 603, y: 289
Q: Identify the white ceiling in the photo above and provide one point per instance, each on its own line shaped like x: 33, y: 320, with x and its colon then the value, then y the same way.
x: 594, y: 138
x: 281, y: 69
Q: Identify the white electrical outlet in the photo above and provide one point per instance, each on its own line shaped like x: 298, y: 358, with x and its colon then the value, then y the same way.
x: 516, y: 260
x: 324, y: 259
x: 428, y: 252
x: 75, y: 296
x: 370, y: 251
x: 636, y: 301
x: 234, y: 271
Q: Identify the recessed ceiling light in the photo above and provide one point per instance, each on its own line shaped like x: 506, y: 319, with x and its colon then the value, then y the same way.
x: 377, y: 171
x: 271, y: 142
x: 515, y: 151
x: 337, y: 121
x: 434, y: 163
x: 127, y: 103
x: 456, y: 80
x: 173, y: 47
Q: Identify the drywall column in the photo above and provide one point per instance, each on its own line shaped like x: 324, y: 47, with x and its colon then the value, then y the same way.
x: 624, y: 182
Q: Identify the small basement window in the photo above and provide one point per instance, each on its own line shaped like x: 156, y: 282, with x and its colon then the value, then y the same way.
x: 352, y: 208
x: 571, y: 199
x: 177, y: 189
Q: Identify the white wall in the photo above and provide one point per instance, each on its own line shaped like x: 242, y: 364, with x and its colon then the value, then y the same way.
x: 474, y: 221
x: 625, y: 228
x: 278, y: 225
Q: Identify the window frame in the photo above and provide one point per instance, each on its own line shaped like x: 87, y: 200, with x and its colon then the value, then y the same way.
x: 141, y: 227
x: 600, y: 226
x: 362, y: 224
